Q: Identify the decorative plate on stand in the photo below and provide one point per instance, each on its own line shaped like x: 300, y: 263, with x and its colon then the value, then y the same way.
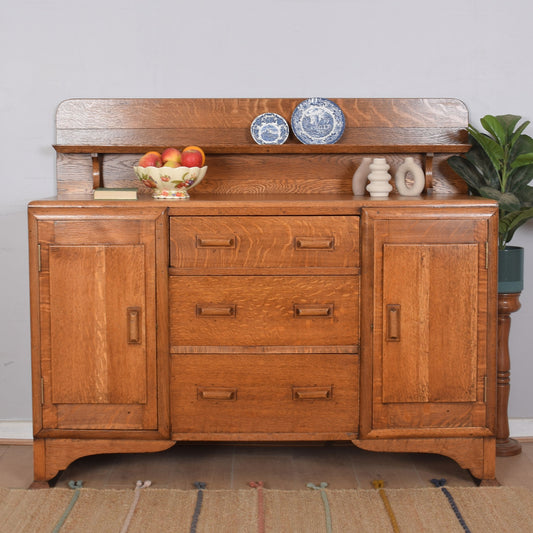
x: 318, y: 121
x: 269, y: 128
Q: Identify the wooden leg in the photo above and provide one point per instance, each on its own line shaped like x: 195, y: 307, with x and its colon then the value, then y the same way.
x: 52, y: 455
x: 505, y: 446
x: 39, y: 485
x: 476, y: 454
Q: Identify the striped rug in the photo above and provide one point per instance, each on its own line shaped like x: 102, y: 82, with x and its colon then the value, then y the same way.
x: 257, y: 509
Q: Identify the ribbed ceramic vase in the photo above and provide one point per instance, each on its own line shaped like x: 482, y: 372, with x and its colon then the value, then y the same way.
x: 379, y: 178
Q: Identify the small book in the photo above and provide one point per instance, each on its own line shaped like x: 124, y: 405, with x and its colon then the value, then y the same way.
x: 111, y: 193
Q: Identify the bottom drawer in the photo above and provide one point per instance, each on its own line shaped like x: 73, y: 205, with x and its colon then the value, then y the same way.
x: 260, y: 394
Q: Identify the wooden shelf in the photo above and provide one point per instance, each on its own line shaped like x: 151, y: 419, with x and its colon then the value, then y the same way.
x: 289, y: 148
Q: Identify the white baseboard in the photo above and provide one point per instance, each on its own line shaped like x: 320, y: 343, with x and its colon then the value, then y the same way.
x: 23, y: 430
x: 521, y: 428
x: 16, y: 430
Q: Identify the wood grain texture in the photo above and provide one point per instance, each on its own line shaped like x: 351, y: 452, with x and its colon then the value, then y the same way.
x: 423, y: 374
x: 282, y: 242
x: 35, y: 321
x: 221, y: 126
x: 89, y: 278
x: 263, y: 396
x: 273, y: 305
x: 354, y: 141
x: 476, y: 454
x: 507, y: 304
x: 89, y: 309
x: 265, y: 310
x: 316, y: 173
x: 229, y: 113
x: 440, y: 383
x: 59, y: 453
x: 464, y: 206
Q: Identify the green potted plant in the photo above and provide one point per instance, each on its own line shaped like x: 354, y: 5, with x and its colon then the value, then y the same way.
x: 499, y: 165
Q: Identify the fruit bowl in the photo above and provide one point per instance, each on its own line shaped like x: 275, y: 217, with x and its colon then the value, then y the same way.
x: 168, y: 182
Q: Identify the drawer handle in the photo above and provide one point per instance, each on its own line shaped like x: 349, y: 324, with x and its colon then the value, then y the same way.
x: 215, y: 242
x: 214, y: 310
x: 313, y: 310
x: 393, y: 322
x: 312, y: 393
x: 133, y: 315
x: 314, y: 243
x: 223, y: 394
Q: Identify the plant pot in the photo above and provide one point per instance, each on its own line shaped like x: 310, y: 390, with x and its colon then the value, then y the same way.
x: 511, y: 269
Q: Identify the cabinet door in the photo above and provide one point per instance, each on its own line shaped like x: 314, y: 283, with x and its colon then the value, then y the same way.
x: 97, y: 316
x: 428, y: 354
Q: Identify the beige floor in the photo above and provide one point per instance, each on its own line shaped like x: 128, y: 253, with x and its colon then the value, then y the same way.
x: 283, y: 467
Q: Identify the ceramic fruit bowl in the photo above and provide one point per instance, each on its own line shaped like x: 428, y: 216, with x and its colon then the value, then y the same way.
x: 168, y: 182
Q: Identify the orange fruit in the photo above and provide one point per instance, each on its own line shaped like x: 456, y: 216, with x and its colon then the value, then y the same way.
x: 198, y: 149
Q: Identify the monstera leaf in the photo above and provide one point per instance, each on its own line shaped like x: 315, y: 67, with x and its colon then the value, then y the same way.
x: 499, y: 165
x: 507, y: 200
x: 511, y: 222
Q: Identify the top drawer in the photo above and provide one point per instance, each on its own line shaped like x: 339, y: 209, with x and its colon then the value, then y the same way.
x: 264, y: 242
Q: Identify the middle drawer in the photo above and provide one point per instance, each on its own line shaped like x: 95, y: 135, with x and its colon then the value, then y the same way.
x: 264, y: 310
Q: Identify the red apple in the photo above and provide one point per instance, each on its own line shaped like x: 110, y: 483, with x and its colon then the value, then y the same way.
x: 171, y: 155
x: 191, y: 158
x: 197, y: 149
x: 151, y: 159
x: 172, y: 164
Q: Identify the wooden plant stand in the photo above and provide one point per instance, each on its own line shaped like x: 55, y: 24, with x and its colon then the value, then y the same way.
x: 507, y: 304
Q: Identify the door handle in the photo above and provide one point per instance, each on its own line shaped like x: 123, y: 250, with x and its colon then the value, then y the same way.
x: 217, y: 393
x: 312, y: 393
x: 313, y: 310
x: 216, y: 310
x: 393, y: 322
x: 314, y: 243
x: 216, y: 242
x: 133, y: 315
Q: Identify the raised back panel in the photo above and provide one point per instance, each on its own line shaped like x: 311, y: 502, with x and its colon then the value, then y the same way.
x: 225, y: 122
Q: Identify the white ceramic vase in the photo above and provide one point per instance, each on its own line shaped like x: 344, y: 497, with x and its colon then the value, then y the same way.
x: 360, y: 177
x: 379, y: 178
x: 417, y: 176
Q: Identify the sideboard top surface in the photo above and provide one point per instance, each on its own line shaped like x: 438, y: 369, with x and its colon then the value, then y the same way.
x: 288, y: 204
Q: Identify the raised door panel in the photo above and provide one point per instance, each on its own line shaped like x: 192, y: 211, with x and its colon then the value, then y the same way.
x: 96, y: 327
x: 421, y: 323
x: 98, y: 357
x: 428, y: 281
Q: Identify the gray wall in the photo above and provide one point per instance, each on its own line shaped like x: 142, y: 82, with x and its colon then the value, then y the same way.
x: 50, y: 50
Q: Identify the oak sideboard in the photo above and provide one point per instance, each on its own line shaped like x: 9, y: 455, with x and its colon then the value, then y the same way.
x: 271, y: 306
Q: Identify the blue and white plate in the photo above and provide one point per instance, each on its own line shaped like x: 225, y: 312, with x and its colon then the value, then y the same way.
x: 269, y: 128
x: 318, y: 121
